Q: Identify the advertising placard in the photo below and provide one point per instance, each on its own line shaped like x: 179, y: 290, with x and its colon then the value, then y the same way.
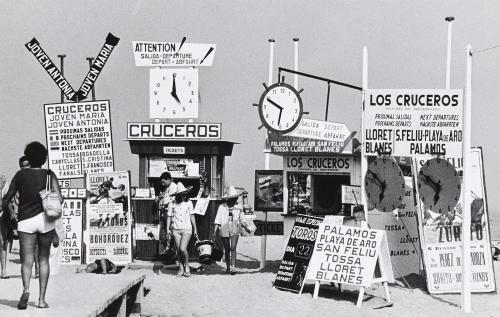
x: 351, y: 194
x: 147, y: 231
x: 79, y: 138
x: 417, y: 122
x: 268, y: 191
x: 318, y: 140
x: 347, y: 255
x: 293, y: 267
x: 176, y: 167
x: 441, y: 239
x: 72, y: 221
x: 108, y: 217
x: 173, y: 54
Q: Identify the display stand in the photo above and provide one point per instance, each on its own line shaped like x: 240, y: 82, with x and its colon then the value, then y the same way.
x: 376, y: 260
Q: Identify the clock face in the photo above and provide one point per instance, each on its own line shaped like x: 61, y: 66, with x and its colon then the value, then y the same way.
x: 280, y: 108
x: 439, y: 185
x: 384, y: 185
x: 173, y: 93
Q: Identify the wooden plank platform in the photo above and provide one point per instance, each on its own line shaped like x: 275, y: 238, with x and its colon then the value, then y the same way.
x: 72, y: 294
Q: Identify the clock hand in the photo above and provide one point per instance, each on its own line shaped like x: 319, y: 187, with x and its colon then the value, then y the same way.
x: 208, y: 53
x: 174, y: 90
x: 437, y: 192
x: 279, y: 117
x: 375, y: 177
x: 275, y: 104
x: 427, y: 179
x: 382, y: 191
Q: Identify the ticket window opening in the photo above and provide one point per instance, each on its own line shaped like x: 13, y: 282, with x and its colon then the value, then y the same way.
x: 316, y: 194
x: 327, y: 194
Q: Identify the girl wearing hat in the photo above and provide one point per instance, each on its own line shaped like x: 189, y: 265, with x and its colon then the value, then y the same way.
x: 181, y: 222
x: 229, y: 220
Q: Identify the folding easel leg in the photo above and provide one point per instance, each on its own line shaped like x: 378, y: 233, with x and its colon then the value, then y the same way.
x: 387, y: 294
x: 316, y: 290
x: 361, y: 296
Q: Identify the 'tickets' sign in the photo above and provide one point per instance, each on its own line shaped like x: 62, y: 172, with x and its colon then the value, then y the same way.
x: 79, y: 138
x: 348, y: 255
x: 418, y: 122
x: 293, y: 267
x: 168, y: 131
x: 173, y: 54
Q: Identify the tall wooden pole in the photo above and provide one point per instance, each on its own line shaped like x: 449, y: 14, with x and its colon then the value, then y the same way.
x: 448, y: 51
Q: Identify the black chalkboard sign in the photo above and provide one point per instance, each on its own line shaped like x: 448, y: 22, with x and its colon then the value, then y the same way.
x: 293, y: 267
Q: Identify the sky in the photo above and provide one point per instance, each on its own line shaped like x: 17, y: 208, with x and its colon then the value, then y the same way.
x: 406, y: 42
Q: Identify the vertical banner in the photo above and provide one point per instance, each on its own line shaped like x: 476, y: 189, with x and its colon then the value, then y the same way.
x: 108, y: 217
x: 72, y: 221
x: 441, y: 238
x: 348, y: 255
x: 79, y: 138
x: 293, y: 267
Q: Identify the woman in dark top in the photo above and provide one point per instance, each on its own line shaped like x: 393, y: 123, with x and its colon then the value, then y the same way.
x: 33, y: 226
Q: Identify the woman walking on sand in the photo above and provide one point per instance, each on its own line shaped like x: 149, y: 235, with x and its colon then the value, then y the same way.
x: 181, y: 222
x: 229, y: 220
x: 34, y: 226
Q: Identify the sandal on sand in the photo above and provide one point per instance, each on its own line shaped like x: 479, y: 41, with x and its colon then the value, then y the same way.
x: 180, y: 274
x: 187, y: 274
x: 23, y: 301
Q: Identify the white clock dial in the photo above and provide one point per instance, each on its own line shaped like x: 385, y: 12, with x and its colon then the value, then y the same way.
x: 281, y: 108
x: 173, y: 93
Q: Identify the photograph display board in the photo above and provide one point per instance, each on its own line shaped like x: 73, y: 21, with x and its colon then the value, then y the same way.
x: 108, y: 217
x: 293, y: 267
x: 147, y: 231
x: 268, y: 190
x: 441, y: 239
x: 79, y: 138
x: 72, y: 221
x: 348, y: 255
x: 413, y: 122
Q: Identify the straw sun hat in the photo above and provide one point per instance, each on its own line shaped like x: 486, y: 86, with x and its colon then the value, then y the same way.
x: 231, y: 192
x: 181, y: 189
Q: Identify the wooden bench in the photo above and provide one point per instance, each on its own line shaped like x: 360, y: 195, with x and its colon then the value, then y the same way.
x: 72, y: 294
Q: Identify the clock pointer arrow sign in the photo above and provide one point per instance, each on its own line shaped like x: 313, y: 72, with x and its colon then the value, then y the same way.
x: 206, y: 55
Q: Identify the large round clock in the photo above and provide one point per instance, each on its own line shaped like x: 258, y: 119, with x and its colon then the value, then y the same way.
x: 280, y: 108
x: 384, y: 185
x: 439, y: 185
x: 173, y: 93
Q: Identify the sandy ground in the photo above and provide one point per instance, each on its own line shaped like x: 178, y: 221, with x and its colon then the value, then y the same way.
x: 210, y: 292
x: 250, y: 293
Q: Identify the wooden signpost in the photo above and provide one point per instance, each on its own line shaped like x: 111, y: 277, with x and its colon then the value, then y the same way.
x: 350, y: 255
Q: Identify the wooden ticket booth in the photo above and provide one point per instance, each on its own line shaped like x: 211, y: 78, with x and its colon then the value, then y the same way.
x: 314, y: 174
x: 194, y: 161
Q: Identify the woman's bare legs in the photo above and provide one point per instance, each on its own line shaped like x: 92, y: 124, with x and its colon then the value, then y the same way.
x: 44, y: 244
x: 177, y: 238
x: 27, y: 242
x: 185, y: 238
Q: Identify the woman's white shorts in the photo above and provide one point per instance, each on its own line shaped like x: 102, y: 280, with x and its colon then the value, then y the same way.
x: 38, y: 224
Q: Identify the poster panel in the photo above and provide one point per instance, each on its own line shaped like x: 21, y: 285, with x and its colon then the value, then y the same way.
x: 345, y: 255
x: 72, y: 221
x: 441, y: 238
x: 401, y: 231
x: 268, y: 190
x: 79, y: 138
x: 147, y: 231
x: 413, y: 122
x: 298, y: 251
x: 108, y: 217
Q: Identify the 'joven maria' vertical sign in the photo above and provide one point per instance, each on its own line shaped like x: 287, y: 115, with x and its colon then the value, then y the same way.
x: 79, y: 138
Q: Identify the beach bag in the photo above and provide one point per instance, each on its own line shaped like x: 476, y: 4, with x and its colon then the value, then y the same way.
x: 205, y: 249
x: 248, y: 228
x: 217, y: 252
x: 60, y: 230
x: 50, y: 200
